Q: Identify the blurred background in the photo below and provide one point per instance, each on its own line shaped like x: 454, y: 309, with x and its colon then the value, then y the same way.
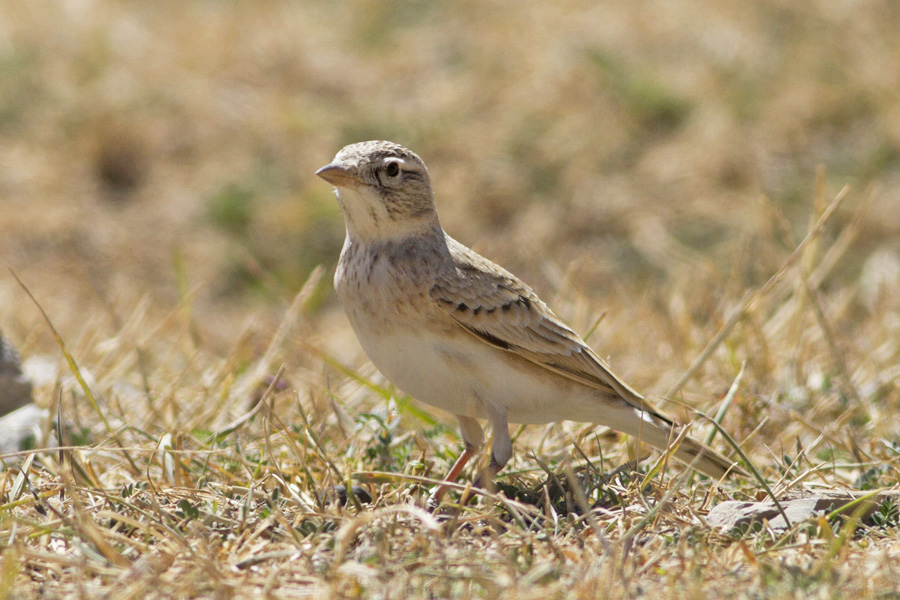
x: 645, y: 162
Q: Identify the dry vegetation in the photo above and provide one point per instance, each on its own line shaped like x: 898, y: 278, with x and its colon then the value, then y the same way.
x: 647, y: 164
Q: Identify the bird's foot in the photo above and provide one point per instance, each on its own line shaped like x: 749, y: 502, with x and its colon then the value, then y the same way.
x: 485, y: 479
x: 434, y: 499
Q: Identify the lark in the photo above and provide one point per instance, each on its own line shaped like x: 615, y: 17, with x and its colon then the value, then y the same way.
x: 456, y: 331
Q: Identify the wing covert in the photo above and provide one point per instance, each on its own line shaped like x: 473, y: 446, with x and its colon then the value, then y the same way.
x: 495, y: 306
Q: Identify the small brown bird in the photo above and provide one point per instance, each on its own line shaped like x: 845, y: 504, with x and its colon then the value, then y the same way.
x: 452, y: 329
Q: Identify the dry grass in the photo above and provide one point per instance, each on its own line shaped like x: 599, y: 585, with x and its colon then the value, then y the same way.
x: 636, y: 163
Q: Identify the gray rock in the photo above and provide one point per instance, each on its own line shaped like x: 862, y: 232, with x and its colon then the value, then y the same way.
x: 21, y: 429
x: 15, y: 389
x: 799, y: 507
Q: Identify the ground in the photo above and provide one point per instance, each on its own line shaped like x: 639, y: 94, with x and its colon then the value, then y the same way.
x: 650, y: 168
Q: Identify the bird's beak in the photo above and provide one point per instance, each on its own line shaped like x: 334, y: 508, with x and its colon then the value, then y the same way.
x: 339, y: 175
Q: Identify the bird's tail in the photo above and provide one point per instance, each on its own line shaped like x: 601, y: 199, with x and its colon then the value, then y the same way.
x: 658, y: 431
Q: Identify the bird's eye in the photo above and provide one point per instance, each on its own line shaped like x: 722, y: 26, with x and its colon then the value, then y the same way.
x: 392, y: 169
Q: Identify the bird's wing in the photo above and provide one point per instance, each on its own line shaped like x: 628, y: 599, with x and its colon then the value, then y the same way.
x: 496, y: 307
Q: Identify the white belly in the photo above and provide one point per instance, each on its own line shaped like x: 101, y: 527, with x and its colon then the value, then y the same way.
x: 465, y: 376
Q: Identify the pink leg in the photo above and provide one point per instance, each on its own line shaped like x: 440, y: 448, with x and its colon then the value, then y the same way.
x: 435, y: 499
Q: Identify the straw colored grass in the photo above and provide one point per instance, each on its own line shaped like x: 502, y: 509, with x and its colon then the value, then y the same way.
x: 658, y: 181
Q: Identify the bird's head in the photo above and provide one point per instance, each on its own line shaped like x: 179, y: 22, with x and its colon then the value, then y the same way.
x: 383, y: 190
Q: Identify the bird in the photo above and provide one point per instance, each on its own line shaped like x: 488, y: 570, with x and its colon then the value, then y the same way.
x: 458, y: 332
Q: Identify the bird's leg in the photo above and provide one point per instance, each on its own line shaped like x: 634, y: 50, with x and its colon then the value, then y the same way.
x: 437, y: 495
x: 473, y: 437
x: 501, y: 452
x: 485, y: 479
